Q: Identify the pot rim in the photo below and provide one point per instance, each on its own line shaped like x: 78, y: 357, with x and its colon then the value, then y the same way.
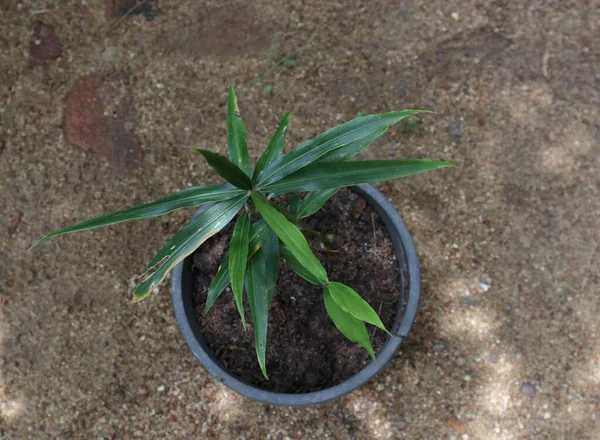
x: 405, y: 316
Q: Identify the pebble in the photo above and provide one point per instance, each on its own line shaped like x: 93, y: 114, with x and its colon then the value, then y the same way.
x: 109, y: 53
x: 161, y: 388
x: 485, y: 287
x: 454, y: 130
x: 547, y: 416
x: 401, y: 424
x: 528, y: 390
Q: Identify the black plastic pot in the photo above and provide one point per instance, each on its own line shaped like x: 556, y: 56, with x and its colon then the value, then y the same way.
x: 409, y: 281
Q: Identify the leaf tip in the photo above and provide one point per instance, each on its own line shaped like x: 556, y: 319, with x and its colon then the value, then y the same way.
x: 264, y: 371
x: 372, y: 354
x: 136, y: 299
x: 232, y: 95
x: 41, y: 240
x: 140, y: 293
x: 34, y: 244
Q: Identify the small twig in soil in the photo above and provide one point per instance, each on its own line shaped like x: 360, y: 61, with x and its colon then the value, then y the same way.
x: 305, y: 228
x: 130, y: 334
x: 127, y: 14
x: 131, y: 285
x: 374, y: 235
x: 378, y: 314
x: 284, y: 58
x: 545, y: 58
x: 388, y: 303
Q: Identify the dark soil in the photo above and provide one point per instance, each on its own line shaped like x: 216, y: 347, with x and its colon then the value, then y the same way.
x: 305, y: 351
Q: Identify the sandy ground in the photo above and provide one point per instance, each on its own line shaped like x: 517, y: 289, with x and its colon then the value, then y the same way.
x: 507, y: 343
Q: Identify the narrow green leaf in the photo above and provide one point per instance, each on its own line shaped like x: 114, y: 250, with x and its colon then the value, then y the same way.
x: 236, y: 134
x: 326, y: 175
x: 293, y: 203
x: 351, y: 302
x: 226, y: 169
x: 297, y: 267
x: 291, y: 236
x: 259, y: 233
x: 311, y: 203
x: 182, y: 199
x: 274, y: 149
x: 353, y: 148
x: 347, y: 134
x: 238, y: 258
x: 257, y: 289
x: 270, y: 252
x: 352, y: 328
x: 192, y: 235
x: 218, y: 283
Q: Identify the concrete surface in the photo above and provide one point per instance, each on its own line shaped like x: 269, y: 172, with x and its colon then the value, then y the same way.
x: 507, y: 344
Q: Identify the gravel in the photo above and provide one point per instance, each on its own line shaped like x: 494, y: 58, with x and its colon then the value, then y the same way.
x: 517, y: 92
x: 528, y: 390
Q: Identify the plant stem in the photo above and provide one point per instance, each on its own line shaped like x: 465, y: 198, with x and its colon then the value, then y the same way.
x: 304, y: 227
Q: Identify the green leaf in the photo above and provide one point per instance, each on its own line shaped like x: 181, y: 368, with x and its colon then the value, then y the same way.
x: 352, y: 328
x: 326, y: 175
x: 270, y: 252
x: 218, y: 283
x: 291, y: 236
x: 351, y: 302
x: 186, y: 241
x: 259, y: 233
x: 293, y: 203
x: 274, y: 149
x: 238, y: 258
x: 297, y: 267
x: 182, y: 199
x: 226, y: 169
x: 355, y: 147
x: 329, y: 141
x: 258, y: 291
x: 311, y: 203
x: 236, y: 134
